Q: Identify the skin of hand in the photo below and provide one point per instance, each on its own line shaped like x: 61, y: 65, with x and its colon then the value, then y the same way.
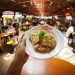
x: 20, y: 58
x: 73, y: 34
x: 20, y: 53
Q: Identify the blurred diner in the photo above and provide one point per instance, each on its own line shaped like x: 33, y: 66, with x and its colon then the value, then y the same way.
x: 71, y: 33
x: 11, y: 28
x: 0, y: 28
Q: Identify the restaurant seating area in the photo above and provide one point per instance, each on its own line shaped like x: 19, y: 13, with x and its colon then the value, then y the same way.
x: 9, y: 41
x: 7, y: 56
x: 56, y: 17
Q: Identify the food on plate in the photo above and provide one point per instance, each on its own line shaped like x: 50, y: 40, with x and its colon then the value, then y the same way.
x: 43, y: 40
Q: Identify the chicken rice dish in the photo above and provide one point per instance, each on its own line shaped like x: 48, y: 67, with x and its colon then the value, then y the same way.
x: 43, y: 41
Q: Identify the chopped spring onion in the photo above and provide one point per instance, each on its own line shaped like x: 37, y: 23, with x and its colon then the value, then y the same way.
x: 41, y: 34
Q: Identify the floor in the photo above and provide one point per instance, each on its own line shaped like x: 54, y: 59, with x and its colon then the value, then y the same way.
x: 6, y: 57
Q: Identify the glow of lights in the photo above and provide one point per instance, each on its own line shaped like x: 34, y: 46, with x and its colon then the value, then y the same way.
x: 69, y: 17
x: 42, y: 14
x: 12, y: 0
x: 24, y: 5
x: 68, y: 0
x: 39, y: 5
x: 58, y: 6
x: 50, y: 17
x: 51, y: 3
x: 30, y: 2
x: 56, y: 17
x: 68, y: 8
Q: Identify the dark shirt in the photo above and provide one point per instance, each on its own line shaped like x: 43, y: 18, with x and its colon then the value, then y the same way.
x: 15, y: 24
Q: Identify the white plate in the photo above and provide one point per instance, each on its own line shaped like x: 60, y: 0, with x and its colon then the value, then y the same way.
x: 59, y: 40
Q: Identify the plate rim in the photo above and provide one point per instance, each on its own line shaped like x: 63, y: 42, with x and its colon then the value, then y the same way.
x: 62, y: 44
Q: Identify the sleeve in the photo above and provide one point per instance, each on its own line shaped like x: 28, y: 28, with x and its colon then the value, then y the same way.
x: 69, y: 31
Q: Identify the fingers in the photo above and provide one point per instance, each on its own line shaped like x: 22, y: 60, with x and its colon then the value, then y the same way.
x: 21, y: 38
x: 24, y: 41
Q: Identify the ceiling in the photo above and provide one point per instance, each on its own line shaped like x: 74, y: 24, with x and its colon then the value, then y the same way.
x: 39, y: 7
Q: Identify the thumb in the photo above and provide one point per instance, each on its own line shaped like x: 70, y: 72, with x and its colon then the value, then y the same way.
x: 24, y: 41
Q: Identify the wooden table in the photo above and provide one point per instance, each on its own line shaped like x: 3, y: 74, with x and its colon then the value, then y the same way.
x: 11, y: 32
x: 52, y: 66
x: 27, y: 26
x: 4, y: 35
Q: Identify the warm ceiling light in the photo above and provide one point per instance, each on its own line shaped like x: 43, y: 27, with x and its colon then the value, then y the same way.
x: 58, y: 6
x: 51, y: 3
x: 13, y: 0
x: 39, y: 5
x: 31, y: 3
x: 68, y: 8
x: 24, y: 5
x: 68, y: 0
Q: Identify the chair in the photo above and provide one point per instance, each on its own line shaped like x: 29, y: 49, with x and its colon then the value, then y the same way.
x: 55, y: 26
x: 30, y: 26
x: 10, y: 43
x: 23, y: 28
x: 74, y: 48
x: 72, y: 43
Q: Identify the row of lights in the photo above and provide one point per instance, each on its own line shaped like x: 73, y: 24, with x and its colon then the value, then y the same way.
x: 40, y: 4
x: 37, y: 4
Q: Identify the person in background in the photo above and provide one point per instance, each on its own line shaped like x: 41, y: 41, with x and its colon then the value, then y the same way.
x: 9, y: 21
x: 67, y: 23
x: 27, y: 22
x: 35, y: 21
x: 42, y: 22
x: 20, y: 24
x: 16, y: 27
x: 0, y: 28
x: 1, y: 32
x: 70, y: 33
x: 10, y: 28
x: 15, y: 24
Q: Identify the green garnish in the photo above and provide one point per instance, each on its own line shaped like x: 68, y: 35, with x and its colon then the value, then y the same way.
x: 31, y: 37
x: 45, y: 36
x: 41, y: 34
